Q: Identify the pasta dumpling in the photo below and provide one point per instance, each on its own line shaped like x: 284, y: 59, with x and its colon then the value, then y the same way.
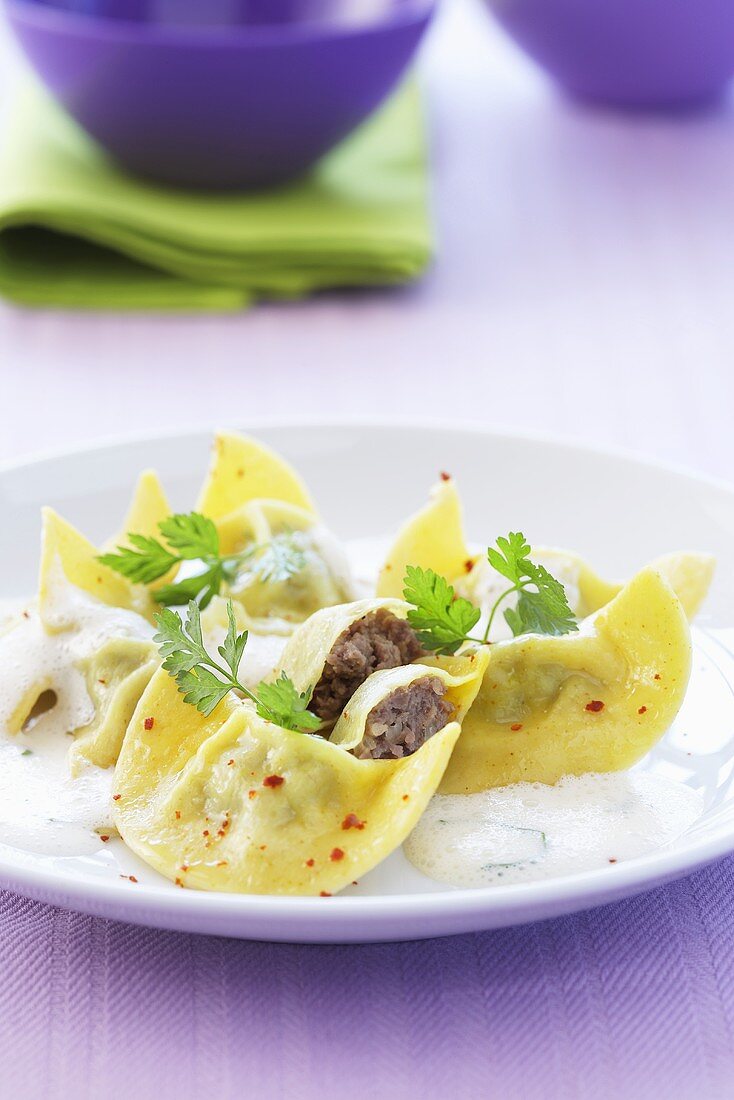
x: 116, y: 676
x: 289, y: 564
x: 594, y: 701
x: 234, y: 803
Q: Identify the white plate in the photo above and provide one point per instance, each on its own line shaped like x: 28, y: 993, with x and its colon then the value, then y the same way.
x: 617, y: 511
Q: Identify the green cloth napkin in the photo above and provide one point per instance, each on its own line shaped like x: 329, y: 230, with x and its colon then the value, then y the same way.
x: 76, y: 231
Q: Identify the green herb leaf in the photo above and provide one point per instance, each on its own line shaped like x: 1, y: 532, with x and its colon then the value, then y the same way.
x: 234, y: 644
x: 193, y: 535
x: 542, y: 606
x: 204, y: 683
x: 510, y: 556
x: 201, y: 587
x: 281, y: 703
x: 441, y: 619
x: 544, y: 610
x: 203, y: 689
x: 143, y: 562
x: 180, y: 645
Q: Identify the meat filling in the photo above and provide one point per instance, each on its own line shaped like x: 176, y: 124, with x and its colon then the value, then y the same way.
x: 405, y: 720
x: 379, y: 640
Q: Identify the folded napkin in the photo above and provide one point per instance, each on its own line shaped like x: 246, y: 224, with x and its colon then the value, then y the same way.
x: 76, y: 231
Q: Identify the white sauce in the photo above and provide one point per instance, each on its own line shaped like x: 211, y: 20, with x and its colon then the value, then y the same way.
x: 42, y: 809
x: 32, y: 658
x: 530, y: 831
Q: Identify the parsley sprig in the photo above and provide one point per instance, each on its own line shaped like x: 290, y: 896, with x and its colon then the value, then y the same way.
x: 542, y: 606
x: 191, y: 536
x: 204, y: 682
x: 443, y: 621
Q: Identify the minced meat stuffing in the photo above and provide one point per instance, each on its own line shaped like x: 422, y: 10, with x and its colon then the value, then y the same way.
x: 379, y: 640
x: 405, y: 719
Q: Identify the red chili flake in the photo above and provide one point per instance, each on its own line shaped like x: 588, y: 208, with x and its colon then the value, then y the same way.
x: 221, y: 863
x: 324, y: 894
x: 516, y: 726
x: 230, y: 763
x: 310, y: 862
x: 351, y: 821
x: 336, y: 854
x: 148, y: 723
x: 104, y: 838
x: 595, y: 706
x: 406, y: 797
x: 116, y: 797
x: 468, y: 565
x: 612, y: 860
x: 355, y: 883
x: 101, y: 681
x: 178, y: 882
x: 273, y: 781
x: 178, y: 815
x: 656, y: 676
x: 252, y: 794
x: 642, y: 710
x: 130, y: 878
x: 205, y: 833
x: 444, y: 476
x: 184, y: 867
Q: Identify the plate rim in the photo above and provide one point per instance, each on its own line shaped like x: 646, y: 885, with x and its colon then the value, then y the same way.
x: 331, y: 919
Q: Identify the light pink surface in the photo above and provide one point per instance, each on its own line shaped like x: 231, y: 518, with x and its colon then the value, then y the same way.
x: 583, y: 288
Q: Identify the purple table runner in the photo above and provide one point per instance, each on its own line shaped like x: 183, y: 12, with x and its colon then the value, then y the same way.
x: 632, y: 1000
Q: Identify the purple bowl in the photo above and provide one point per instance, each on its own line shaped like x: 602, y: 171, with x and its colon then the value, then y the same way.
x: 650, y: 54
x: 233, y: 103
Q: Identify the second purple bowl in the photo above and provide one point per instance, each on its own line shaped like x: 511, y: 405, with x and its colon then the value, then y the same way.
x: 655, y: 54
x: 215, y: 106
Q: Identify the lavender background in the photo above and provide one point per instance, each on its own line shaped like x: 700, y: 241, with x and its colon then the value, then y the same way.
x: 584, y: 289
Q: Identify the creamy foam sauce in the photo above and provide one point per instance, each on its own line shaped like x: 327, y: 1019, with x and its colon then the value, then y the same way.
x: 34, y: 659
x: 530, y: 831
x: 42, y: 809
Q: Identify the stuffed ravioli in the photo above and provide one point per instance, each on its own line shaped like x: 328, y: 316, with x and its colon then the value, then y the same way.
x: 231, y: 802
